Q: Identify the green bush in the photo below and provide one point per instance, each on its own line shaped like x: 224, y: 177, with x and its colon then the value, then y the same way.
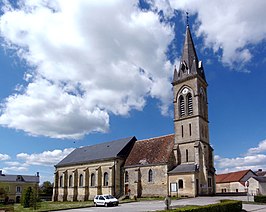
x: 224, y: 206
x: 29, y: 198
x: 261, y: 199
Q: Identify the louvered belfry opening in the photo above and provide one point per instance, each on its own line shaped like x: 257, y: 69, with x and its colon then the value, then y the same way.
x: 181, y: 106
x: 190, y: 104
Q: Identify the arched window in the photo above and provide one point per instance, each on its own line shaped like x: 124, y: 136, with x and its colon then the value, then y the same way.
x: 70, y: 181
x: 92, y: 179
x: 150, y: 176
x: 126, y: 177
x: 105, y: 179
x: 180, y: 184
x: 189, y: 104
x: 80, y: 180
x: 181, y: 106
x: 61, y: 181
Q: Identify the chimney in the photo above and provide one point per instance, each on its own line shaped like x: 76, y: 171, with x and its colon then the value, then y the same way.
x: 38, y: 174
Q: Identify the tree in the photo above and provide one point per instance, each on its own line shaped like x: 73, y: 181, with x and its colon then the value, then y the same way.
x: 26, y: 196
x: 30, y: 197
x: 47, y: 188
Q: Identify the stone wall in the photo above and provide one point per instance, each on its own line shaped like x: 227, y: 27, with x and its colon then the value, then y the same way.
x: 82, y: 188
x: 189, y: 184
x: 138, y: 181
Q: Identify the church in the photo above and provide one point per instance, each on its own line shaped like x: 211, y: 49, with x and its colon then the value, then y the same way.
x: 179, y: 164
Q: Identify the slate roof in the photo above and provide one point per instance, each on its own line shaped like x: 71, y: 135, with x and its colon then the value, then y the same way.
x: 98, y: 152
x: 260, y: 173
x: 231, y: 177
x: 151, y: 151
x: 189, y: 63
x: 261, y: 179
x: 19, y: 178
x: 183, y: 168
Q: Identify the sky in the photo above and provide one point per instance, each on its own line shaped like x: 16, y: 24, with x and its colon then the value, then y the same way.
x: 76, y: 73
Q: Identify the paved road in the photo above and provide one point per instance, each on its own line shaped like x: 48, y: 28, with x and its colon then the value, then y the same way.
x: 159, y: 205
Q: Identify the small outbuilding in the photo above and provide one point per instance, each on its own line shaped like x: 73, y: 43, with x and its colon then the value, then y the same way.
x: 233, y: 182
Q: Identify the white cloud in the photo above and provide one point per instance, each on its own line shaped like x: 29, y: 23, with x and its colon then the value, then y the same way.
x: 254, y: 159
x: 4, y: 157
x: 259, y: 149
x: 46, y: 158
x: 230, y: 26
x: 86, y: 59
x: 15, y: 169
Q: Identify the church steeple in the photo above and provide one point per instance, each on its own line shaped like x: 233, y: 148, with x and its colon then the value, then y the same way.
x: 189, y: 63
x: 192, y: 143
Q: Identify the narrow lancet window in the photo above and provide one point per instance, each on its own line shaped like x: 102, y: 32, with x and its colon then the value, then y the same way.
x: 150, y: 176
x: 189, y: 104
x: 105, y: 179
x: 181, y: 106
x: 92, y: 179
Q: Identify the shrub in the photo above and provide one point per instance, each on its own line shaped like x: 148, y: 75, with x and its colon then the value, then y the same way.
x: 29, y: 198
x: 224, y: 206
x: 261, y: 199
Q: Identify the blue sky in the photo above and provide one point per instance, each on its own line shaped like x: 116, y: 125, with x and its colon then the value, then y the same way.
x: 76, y: 73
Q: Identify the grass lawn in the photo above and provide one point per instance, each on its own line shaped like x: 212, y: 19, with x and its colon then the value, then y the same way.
x: 50, y: 206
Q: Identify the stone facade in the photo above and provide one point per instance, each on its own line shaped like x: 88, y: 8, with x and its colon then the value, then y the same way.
x: 14, y: 185
x: 146, y: 181
x: 233, y: 182
x: 257, y: 186
x: 180, y: 164
x: 83, y: 182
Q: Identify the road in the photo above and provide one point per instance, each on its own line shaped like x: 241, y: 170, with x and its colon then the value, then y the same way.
x: 159, y: 205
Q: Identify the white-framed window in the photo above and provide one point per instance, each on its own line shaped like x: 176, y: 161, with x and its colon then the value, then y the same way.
x: 18, y: 189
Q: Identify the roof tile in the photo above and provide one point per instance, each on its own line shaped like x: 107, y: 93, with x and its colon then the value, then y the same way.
x: 151, y: 151
x: 231, y: 177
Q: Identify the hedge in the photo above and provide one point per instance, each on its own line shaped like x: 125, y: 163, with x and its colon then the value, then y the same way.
x: 261, y: 199
x: 224, y: 206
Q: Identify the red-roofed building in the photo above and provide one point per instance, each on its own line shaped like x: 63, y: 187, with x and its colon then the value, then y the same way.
x: 180, y: 164
x: 147, y: 166
x: 233, y: 181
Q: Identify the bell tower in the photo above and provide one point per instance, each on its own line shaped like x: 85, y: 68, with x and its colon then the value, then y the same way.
x: 192, y: 145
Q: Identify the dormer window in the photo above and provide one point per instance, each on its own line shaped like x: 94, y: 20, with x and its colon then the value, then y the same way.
x: 19, y: 178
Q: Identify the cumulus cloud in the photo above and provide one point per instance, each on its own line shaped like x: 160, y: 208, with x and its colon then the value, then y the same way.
x: 15, y: 169
x: 46, y: 158
x: 4, y: 157
x: 259, y: 149
x: 87, y: 59
x: 230, y: 26
x: 254, y: 159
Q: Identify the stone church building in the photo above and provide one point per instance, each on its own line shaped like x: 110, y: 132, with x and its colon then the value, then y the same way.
x: 179, y: 164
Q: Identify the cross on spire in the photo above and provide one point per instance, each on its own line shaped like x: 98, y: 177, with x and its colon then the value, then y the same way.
x: 187, y: 18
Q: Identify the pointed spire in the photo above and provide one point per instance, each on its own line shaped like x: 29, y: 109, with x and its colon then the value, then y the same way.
x: 189, y: 64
